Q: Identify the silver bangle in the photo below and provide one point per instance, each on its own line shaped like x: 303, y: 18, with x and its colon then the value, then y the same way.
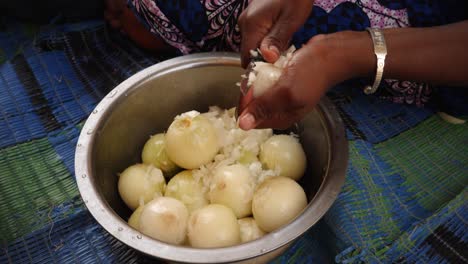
x: 380, y: 50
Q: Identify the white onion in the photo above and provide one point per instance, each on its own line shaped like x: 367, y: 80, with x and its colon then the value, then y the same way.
x: 232, y: 186
x: 213, y: 226
x: 186, y: 189
x: 140, y: 183
x: 191, y: 140
x: 249, y: 229
x: 285, y: 154
x: 276, y: 202
x: 134, y: 220
x: 154, y: 152
x: 266, y: 75
x: 165, y: 219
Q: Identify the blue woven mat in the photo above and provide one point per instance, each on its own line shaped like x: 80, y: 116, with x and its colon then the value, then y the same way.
x: 404, y: 199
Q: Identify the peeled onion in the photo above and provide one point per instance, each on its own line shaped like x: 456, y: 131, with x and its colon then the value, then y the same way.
x: 276, y: 202
x: 186, y: 189
x: 266, y: 75
x: 165, y: 219
x: 249, y: 229
x: 140, y: 183
x: 213, y: 226
x: 232, y: 186
x: 191, y: 140
x: 134, y: 220
x: 285, y: 154
x: 154, y: 152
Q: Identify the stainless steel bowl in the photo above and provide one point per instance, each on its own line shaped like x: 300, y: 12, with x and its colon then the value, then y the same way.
x: 146, y: 103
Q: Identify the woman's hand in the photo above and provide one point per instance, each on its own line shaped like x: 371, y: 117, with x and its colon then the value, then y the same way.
x: 270, y: 26
x: 323, y: 62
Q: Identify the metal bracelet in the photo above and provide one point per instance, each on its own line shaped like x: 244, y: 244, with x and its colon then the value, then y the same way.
x: 380, y: 50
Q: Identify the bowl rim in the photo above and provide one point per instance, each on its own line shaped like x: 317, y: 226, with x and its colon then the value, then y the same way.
x: 117, y: 227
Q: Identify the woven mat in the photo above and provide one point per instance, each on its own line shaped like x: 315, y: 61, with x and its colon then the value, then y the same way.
x: 404, y: 200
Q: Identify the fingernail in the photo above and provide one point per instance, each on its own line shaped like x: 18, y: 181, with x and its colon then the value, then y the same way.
x: 247, y: 121
x: 274, y: 49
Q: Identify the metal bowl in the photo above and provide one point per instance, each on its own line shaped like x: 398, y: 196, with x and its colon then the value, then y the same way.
x: 146, y: 103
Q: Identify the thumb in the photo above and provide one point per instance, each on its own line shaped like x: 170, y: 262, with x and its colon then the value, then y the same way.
x: 277, y: 40
x: 264, y: 110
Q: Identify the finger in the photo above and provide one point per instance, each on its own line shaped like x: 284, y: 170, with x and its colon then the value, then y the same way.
x: 250, y: 41
x: 277, y: 40
x: 245, y: 98
x: 279, y: 37
x: 266, y: 107
x: 252, y: 32
x: 278, y: 120
x: 282, y: 122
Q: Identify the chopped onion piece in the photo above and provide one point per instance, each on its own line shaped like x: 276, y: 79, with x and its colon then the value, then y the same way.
x: 247, y: 157
x: 140, y: 183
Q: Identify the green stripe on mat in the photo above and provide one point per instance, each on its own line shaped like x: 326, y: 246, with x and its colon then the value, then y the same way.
x: 432, y: 157
x: 381, y: 206
x: 33, y: 181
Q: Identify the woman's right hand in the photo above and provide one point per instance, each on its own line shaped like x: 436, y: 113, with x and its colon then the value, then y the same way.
x: 323, y: 62
x: 270, y: 26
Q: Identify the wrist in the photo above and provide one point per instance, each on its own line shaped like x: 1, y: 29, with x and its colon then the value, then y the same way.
x: 350, y: 51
